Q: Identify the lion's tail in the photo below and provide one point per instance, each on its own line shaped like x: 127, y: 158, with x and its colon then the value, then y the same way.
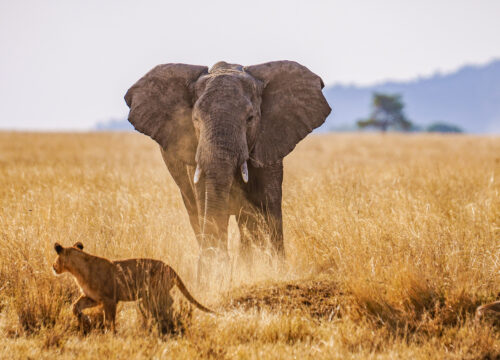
x: 187, y: 294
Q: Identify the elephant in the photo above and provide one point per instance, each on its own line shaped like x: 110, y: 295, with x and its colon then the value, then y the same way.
x: 223, y: 133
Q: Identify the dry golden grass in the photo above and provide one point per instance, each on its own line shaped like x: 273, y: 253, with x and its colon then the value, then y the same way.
x: 392, y: 242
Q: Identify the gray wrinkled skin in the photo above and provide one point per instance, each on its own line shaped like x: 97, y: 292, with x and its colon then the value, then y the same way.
x: 217, y: 119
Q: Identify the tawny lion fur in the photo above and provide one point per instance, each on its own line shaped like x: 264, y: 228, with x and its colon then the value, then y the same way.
x: 105, y: 282
x: 492, y: 308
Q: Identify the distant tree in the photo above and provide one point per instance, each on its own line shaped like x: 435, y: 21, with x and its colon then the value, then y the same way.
x: 387, y: 112
x: 444, y: 128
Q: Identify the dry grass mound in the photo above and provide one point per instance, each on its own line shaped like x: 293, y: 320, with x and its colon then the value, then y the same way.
x: 318, y: 298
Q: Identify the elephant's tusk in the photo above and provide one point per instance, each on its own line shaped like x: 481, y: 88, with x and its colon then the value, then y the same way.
x: 244, y: 172
x: 197, y: 174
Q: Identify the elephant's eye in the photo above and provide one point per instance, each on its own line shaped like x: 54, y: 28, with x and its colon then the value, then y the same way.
x: 249, y: 119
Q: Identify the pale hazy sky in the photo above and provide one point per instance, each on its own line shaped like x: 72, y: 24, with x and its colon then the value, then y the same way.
x: 67, y: 64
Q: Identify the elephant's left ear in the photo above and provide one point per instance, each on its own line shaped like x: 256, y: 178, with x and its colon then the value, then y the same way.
x: 292, y: 106
x: 161, y: 103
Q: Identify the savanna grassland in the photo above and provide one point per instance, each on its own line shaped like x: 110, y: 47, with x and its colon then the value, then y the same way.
x: 392, y: 241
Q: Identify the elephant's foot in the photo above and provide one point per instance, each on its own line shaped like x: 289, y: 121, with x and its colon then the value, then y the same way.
x: 245, y: 258
x: 282, y: 267
x: 215, y: 270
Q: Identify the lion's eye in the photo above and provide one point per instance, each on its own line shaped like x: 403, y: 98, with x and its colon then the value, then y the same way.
x: 249, y: 119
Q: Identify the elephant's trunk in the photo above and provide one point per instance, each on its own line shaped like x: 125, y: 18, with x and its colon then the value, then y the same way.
x: 221, y: 154
x: 215, y: 215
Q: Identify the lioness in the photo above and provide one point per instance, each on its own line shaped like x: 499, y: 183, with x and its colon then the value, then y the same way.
x: 105, y: 282
x: 493, y: 308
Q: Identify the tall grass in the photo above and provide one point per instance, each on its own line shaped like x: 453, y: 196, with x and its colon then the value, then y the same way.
x: 391, y: 241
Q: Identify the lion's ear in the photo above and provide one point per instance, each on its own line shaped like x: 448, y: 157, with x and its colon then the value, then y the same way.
x: 78, y: 245
x: 58, y: 248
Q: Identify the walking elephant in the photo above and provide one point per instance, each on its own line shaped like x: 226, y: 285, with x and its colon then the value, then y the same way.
x: 223, y: 133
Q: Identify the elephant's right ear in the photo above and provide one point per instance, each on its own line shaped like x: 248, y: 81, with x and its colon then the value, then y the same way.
x: 160, y: 105
x: 292, y: 106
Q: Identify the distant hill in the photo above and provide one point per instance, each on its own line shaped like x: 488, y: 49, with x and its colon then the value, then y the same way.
x: 468, y: 98
x: 114, y: 125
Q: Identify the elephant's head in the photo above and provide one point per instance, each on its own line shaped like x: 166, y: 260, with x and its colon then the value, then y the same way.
x: 217, y: 120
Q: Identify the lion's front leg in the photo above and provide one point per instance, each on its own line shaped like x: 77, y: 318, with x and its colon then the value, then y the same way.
x: 110, y: 314
x: 83, y: 302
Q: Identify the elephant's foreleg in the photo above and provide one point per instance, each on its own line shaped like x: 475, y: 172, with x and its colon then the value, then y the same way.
x: 271, y: 205
x: 248, y: 228
x: 183, y: 177
x: 274, y: 222
x: 193, y: 216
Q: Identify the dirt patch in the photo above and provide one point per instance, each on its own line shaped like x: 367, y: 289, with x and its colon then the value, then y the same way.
x: 321, y: 299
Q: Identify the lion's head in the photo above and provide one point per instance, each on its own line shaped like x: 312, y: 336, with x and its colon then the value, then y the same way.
x: 65, y: 256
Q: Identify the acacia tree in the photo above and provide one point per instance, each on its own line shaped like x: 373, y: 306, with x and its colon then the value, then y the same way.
x: 387, y: 111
